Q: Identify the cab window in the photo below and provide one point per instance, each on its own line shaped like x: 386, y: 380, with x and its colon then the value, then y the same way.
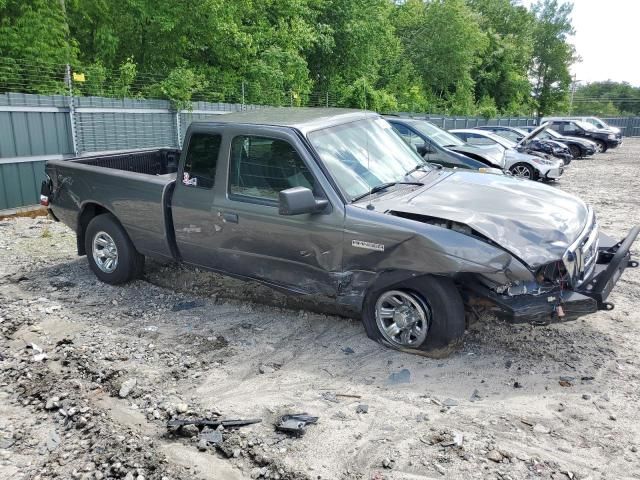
x: 260, y: 168
x: 201, y: 160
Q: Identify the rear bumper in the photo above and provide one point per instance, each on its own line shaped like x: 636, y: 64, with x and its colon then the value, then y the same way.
x: 560, y: 306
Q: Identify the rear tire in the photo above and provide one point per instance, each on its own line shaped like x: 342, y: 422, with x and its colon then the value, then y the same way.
x: 429, y: 308
x: 110, y: 252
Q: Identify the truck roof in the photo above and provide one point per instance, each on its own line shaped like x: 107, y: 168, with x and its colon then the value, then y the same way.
x: 305, y: 119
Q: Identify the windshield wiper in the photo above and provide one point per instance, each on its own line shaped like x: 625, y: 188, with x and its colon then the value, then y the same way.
x: 419, y: 166
x: 382, y: 186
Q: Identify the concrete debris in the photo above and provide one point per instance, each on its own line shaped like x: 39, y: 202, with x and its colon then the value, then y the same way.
x: 396, y: 378
x: 127, y: 387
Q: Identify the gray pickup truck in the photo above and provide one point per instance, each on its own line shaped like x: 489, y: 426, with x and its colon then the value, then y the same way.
x: 333, y: 203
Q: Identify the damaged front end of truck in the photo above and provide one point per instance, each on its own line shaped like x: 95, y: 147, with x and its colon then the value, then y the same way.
x: 563, y: 289
x: 546, y: 265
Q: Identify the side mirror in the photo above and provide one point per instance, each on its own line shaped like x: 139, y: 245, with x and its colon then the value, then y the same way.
x: 299, y: 200
x: 424, y: 149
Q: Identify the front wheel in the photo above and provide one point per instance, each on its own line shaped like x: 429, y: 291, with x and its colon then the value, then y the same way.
x: 523, y: 170
x: 110, y: 252
x: 423, y: 315
x: 601, y: 147
x: 576, y: 151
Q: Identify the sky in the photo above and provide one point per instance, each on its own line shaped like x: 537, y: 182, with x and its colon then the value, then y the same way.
x: 607, y: 40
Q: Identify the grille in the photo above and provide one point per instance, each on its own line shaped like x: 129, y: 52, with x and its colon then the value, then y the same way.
x: 580, y: 259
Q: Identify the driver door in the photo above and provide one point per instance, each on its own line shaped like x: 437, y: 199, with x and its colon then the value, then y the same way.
x: 302, y: 253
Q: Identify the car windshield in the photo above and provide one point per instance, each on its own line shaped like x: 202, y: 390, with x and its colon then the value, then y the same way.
x: 505, y: 142
x: 585, y: 125
x: 436, y: 135
x: 366, y: 154
x: 597, y: 122
x: 552, y: 133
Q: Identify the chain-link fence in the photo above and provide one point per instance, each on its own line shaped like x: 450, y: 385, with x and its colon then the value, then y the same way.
x: 53, y: 111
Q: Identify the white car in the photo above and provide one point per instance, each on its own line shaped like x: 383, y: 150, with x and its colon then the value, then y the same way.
x: 532, y: 167
x: 595, y: 121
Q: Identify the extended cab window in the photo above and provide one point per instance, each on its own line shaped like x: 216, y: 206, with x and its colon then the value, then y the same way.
x: 200, y: 163
x: 262, y: 167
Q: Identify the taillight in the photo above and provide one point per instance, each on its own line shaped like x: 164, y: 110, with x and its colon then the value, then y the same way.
x: 45, y: 192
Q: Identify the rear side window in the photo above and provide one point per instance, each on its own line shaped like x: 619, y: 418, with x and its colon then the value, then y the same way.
x: 202, y: 158
x: 479, y: 140
x: 262, y: 167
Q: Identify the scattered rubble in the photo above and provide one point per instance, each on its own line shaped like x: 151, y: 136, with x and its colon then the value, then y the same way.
x: 90, y: 375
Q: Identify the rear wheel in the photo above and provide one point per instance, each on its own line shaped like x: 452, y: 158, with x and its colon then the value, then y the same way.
x: 110, y: 252
x: 523, y: 170
x: 575, y: 150
x: 601, y: 147
x: 423, y: 315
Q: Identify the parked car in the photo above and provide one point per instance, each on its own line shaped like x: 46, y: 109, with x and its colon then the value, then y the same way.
x: 426, y: 136
x: 525, y: 165
x: 528, y: 142
x: 435, y: 154
x: 333, y: 203
x: 595, y: 121
x: 579, y: 147
x: 604, y: 139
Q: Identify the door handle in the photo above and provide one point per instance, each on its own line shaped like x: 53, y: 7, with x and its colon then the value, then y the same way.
x: 230, y: 217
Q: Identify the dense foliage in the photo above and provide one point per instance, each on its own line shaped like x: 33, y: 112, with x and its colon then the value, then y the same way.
x: 607, y: 99
x: 453, y: 56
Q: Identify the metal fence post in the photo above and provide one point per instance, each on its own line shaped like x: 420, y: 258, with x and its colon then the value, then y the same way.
x: 72, y: 111
x: 178, y: 133
x: 243, y: 95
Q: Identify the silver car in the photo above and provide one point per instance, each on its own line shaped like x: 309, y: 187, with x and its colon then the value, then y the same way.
x: 532, y: 167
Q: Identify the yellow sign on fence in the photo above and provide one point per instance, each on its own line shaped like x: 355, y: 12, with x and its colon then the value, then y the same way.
x: 78, y: 77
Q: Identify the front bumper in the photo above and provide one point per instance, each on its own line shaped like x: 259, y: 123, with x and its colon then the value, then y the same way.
x: 614, y: 143
x: 554, y: 173
x: 564, y: 305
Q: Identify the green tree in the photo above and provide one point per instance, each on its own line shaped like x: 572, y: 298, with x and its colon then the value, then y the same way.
x: 503, y: 70
x: 607, y: 98
x: 552, y: 55
x: 34, y: 46
x: 444, y: 41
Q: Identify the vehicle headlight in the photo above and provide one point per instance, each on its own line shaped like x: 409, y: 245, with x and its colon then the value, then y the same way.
x: 542, y: 161
x: 612, y: 136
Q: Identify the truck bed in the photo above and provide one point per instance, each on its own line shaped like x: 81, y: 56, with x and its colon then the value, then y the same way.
x: 134, y: 186
x: 150, y: 162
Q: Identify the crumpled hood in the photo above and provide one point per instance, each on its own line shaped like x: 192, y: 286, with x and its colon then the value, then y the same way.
x: 534, y: 222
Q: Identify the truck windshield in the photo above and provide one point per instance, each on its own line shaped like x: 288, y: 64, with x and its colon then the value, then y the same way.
x: 365, y: 154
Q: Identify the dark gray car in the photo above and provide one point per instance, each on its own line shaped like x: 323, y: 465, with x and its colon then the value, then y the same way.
x: 334, y: 203
x: 427, y: 137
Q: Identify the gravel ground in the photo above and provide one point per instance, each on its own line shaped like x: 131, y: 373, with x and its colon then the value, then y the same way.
x: 90, y: 373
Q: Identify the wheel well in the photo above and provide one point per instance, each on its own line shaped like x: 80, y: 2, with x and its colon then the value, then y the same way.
x: 89, y: 211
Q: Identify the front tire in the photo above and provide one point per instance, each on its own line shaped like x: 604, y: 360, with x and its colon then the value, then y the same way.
x: 601, y: 147
x: 423, y: 315
x: 522, y: 170
x: 110, y: 252
x: 576, y: 151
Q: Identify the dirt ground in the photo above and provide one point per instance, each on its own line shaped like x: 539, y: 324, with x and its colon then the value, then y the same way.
x: 90, y: 374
